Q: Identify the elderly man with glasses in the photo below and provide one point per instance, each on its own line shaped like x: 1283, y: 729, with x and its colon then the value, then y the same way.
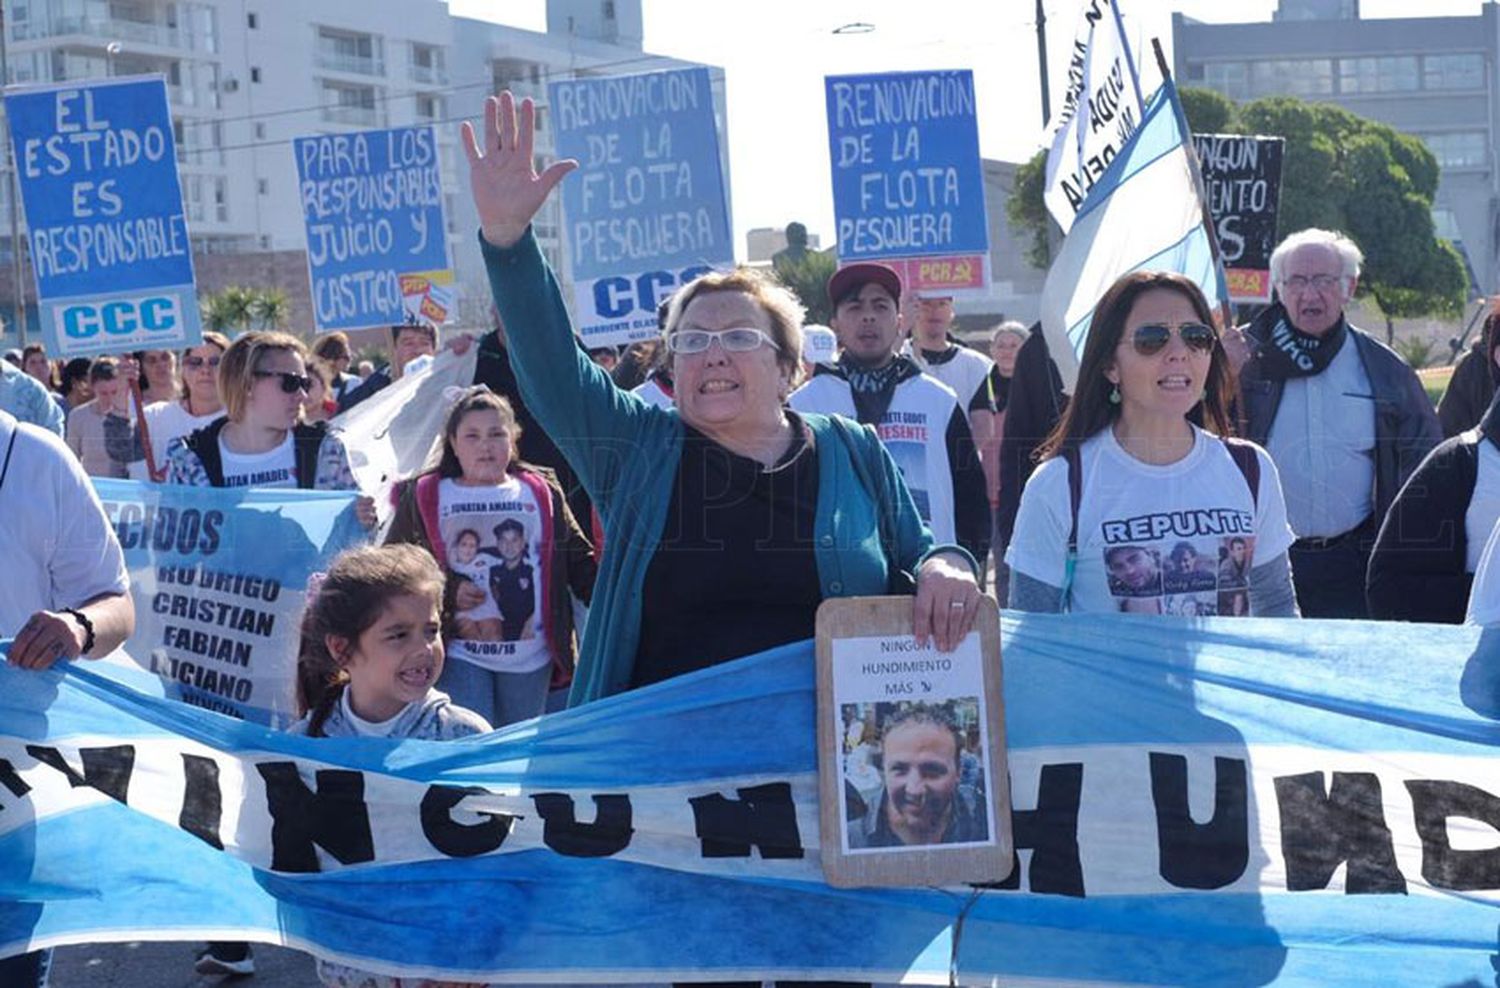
x: 1344, y: 418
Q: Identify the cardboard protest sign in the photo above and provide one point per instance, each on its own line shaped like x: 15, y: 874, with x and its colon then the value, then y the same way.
x: 912, y: 780
x: 377, y: 244
x: 219, y: 577
x: 647, y: 211
x: 907, y: 178
x: 1242, y: 180
x: 108, y: 237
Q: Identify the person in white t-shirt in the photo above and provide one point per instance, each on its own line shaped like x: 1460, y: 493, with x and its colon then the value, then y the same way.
x: 198, y: 406
x: 1162, y: 516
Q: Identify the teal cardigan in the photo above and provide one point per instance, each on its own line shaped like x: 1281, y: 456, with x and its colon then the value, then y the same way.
x: 626, y: 451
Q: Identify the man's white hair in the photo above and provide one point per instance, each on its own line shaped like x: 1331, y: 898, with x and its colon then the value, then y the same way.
x: 1348, y: 253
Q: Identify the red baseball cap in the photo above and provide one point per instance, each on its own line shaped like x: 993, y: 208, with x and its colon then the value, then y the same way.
x: 852, y: 277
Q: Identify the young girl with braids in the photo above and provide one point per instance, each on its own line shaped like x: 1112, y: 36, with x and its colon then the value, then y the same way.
x: 371, y: 652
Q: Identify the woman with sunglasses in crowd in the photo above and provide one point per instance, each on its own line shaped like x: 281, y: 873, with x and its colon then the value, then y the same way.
x: 1142, y: 495
x: 198, y: 406
x: 728, y: 519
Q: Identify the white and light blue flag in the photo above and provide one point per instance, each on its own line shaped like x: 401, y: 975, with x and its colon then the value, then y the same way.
x: 1213, y: 802
x: 1145, y: 213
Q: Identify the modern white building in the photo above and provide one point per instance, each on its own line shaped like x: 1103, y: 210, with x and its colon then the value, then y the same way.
x: 247, y: 77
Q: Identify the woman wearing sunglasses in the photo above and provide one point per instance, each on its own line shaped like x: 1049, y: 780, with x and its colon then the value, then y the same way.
x: 1141, y: 497
x: 197, y: 406
x: 728, y: 519
x: 262, y: 441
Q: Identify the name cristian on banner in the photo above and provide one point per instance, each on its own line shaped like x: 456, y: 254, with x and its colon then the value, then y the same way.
x: 648, y: 210
x: 219, y: 577
x: 110, y: 253
x: 377, y: 241
x: 1242, y: 181
x: 1101, y: 107
x: 1236, y: 803
x: 907, y: 178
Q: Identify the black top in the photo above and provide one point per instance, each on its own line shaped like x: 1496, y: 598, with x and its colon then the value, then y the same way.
x: 734, y: 573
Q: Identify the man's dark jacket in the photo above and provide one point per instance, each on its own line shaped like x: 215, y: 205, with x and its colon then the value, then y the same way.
x: 1406, y: 428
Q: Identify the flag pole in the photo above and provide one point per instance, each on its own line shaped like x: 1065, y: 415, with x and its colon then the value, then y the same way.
x: 1208, y: 217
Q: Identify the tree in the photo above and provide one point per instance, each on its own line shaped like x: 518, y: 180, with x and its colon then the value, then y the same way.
x: 1340, y: 172
x: 808, y: 280
x: 1026, y: 210
x: 268, y: 307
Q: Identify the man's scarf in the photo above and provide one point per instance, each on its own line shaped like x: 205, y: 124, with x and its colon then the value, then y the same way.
x: 873, y: 389
x: 1287, y: 352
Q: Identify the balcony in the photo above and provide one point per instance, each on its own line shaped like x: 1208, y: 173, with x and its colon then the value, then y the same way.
x: 345, y: 62
x: 434, y: 75
x: 111, y: 29
x: 353, y: 116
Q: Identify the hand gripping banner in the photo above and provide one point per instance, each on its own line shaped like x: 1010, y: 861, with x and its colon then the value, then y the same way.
x: 1211, y: 802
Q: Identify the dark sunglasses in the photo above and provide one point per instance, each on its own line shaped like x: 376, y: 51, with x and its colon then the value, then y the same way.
x: 196, y: 362
x: 290, y: 383
x: 1153, y: 338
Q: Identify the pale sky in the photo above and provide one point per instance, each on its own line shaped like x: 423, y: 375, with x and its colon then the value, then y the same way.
x: 775, y: 54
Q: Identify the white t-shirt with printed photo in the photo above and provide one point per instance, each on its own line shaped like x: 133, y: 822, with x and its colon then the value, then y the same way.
x: 273, y: 468
x: 1176, y: 539
x: 492, y: 536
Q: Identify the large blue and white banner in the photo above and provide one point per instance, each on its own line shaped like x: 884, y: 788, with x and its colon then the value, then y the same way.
x: 219, y: 578
x: 1144, y: 213
x: 109, y: 241
x: 907, y: 180
x: 1216, y: 802
x: 376, y: 237
x: 647, y: 211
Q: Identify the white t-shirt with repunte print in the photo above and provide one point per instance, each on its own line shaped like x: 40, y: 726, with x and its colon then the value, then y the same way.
x: 492, y: 536
x: 1176, y: 539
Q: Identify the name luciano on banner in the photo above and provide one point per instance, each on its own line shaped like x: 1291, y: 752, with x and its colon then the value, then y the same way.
x: 1103, y: 820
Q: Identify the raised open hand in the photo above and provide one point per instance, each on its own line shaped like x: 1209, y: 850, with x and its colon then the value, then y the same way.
x: 502, y: 177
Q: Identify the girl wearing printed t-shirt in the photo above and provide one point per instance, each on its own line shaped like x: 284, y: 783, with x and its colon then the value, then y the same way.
x: 1139, y: 506
x: 514, y: 555
x: 262, y: 442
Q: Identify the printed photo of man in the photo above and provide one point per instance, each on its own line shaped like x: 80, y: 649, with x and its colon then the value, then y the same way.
x: 922, y: 800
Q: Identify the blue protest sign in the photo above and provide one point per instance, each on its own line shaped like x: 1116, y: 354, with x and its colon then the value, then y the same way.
x: 373, y: 205
x: 647, y: 211
x: 907, y: 181
x: 109, y: 241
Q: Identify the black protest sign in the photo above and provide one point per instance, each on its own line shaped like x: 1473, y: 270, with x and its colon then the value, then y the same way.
x: 1242, y: 182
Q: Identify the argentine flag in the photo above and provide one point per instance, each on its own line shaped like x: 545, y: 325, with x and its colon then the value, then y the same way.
x: 1144, y: 213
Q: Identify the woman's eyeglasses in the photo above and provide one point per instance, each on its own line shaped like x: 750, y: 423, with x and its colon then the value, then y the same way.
x: 1153, y: 338
x: 290, y: 383
x: 193, y: 363
x: 740, y: 339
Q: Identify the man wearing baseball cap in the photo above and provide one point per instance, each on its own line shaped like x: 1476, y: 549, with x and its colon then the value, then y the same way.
x: 919, y: 418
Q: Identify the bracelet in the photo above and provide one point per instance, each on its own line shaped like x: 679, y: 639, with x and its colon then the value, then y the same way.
x: 86, y: 625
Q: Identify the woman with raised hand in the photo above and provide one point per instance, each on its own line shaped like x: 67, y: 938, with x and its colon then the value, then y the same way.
x: 1142, y: 497
x: 728, y: 519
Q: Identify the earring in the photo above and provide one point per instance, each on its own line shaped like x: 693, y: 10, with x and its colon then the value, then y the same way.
x: 1114, y: 395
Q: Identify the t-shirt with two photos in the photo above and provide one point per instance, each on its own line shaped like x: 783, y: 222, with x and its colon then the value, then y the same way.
x: 1178, y: 538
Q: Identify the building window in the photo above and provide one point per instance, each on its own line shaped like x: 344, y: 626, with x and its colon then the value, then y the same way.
x: 1293, y: 77
x: 255, y: 73
x: 260, y: 131
x: 1453, y: 72
x: 251, y: 21
x: 344, y: 52
x: 1230, y: 78
x: 1458, y: 149
x: 609, y: 10
x: 1385, y: 74
x: 262, y: 186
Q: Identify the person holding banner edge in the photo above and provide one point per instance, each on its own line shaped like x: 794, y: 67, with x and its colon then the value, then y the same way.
x: 811, y: 493
x: 1136, y: 505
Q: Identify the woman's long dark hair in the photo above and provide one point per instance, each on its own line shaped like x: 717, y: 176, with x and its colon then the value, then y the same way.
x: 1090, y: 409
x: 476, y: 399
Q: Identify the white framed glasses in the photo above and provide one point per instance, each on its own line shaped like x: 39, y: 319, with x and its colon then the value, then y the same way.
x: 736, y: 339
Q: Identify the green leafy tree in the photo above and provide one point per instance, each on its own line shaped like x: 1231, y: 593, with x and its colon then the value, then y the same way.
x: 1027, y: 211
x: 1340, y: 172
x: 269, y: 307
x: 808, y: 280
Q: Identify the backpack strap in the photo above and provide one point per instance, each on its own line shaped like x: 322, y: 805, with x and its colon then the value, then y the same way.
x: 1074, y: 459
x: 307, y: 440
x: 10, y: 447
x: 1242, y: 452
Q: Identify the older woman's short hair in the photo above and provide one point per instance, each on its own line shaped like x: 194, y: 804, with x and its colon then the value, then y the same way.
x: 332, y: 347
x: 1349, y: 253
x: 785, y: 312
x: 1011, y: 326
x: 242, y: 360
